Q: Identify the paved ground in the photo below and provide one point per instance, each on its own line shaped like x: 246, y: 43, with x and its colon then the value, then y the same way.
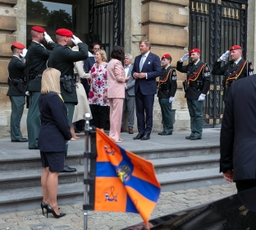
x: 169, y: 202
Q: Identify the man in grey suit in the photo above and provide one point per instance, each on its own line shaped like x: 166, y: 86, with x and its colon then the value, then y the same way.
x: 129, y: 100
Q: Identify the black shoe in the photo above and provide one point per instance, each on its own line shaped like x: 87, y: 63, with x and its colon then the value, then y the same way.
x: 68, y: 169
x: 43, y: 206
x: 145, y: 137
x: 138, y: 137
x: 165, y: 133
x: 50, y: 210
x: 195, y: 138
x: 23, y: 139
x: 188, y: 137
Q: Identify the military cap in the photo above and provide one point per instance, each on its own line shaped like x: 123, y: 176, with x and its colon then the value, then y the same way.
x: 167, y: 56
x: 38, y: 29
x: 64, y: 32
x: 194, y: 50
x: 18, y: 45
x: 235, y: 47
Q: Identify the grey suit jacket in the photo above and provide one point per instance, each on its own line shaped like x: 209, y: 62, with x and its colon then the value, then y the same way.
x: 131, y: 83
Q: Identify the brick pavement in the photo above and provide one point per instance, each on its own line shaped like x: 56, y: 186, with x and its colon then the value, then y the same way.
x: 169, y: 202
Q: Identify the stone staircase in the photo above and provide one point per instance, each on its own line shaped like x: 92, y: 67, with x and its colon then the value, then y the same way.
x: 179, y: 167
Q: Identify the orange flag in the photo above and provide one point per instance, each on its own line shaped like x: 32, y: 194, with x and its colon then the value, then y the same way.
x: 124, y: 181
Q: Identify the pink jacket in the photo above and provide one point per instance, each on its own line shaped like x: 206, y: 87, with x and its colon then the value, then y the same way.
x: 116, y: 79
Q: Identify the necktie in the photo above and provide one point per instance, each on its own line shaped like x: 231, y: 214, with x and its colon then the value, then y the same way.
x: 142, y: 62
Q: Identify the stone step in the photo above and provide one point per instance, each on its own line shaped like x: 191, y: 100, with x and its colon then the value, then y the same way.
x: 188, y: 163
x: 29, y: 198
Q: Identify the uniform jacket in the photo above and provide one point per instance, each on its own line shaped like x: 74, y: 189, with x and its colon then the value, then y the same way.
x: 152, y: 66
x: 54, y: 131
x: 238, y: 130
x: 131, y: 82
x: 228, y: 69
x: 63, y: 58
x: 116, y: 79
x: 36, y: 60
x: 167, y: 84
x: 16, y: 68
x: 201, y: 85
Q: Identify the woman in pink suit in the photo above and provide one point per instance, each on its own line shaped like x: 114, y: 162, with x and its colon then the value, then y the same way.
x: 116, y: 91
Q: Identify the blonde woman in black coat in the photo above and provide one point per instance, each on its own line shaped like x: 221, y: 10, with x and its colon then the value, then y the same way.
x: 53, y: 137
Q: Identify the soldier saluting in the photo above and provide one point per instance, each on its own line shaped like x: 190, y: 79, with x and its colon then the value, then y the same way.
x: 234, y: 70
x: 196, y: 87
x: 63, y: 58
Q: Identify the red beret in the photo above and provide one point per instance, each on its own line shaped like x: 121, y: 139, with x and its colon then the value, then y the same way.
x: 235, y: 47
x: 18, y: 45
x: 64, y: 32
x: 38, y: 29
x: 194, y: 50
x: 168, y: 56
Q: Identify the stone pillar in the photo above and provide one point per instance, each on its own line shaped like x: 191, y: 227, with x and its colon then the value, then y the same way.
x: 12, y: 28
x: 165, y: 24
x: 251, y: 39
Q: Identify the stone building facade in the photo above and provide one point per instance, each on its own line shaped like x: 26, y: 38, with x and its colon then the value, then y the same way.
x: 165, y: 23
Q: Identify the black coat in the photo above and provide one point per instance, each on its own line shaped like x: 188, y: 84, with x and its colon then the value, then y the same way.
x: 201, y: 85
x: 88, y: 63
x: 238, y: 130
x: 54, y: 131
x: 228, y: 69
x: 63, y: 58
x: 36, y: 60
x: 16, y: 69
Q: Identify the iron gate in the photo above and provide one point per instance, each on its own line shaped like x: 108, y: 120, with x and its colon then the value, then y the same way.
x: 216, y: 25
x: 106, y: 23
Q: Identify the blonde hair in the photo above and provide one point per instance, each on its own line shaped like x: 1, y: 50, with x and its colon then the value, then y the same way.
x: 50, y: 81
x: 103, y: 55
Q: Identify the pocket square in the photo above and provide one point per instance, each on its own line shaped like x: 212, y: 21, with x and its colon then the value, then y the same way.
x: 149, y: 63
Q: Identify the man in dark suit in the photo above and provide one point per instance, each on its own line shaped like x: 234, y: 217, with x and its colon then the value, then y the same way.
x: 196, y: 87
x: 129, y: 99
x: 147, y: 67
x: 238, y: 131
x: 234, y: 70
x: 36, y: 59
x: 62, y: 58
x: 16, y: 92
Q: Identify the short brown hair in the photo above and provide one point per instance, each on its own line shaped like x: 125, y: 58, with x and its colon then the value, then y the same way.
x: 147, y: 42
x: 50, y: 81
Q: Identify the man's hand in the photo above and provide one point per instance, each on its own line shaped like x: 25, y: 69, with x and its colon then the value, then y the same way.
x: 184, y: 57
x: 228, y: 176
x: 224, y: 56
x: 76, y: 40
x: 139, y: 75
x: 201, y: 97
x: 47, y: 37
x: 127, y: 79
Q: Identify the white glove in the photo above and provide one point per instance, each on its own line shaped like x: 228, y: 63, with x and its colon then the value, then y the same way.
x: 47, y: 37
x: 201, y: 97
x: 76, y: 40
x: 171, y: 99
x: 224, y: 56
x: 23, y: 53
x: 184, y: 57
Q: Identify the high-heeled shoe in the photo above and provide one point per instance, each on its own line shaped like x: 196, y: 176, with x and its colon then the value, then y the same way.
x: 43, y: 206
x: 51, y: 210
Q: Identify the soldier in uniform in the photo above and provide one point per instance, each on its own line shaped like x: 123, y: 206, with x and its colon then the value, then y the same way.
x: 36, y: 59
x: 196, y: 87
x: 16, y: 91
x: 167, y: 86
x: 234, y: 70
x: 63, y: 58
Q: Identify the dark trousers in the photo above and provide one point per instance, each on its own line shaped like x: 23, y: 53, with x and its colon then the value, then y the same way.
x: 195, y: 109
x: 166, y: 110
x: 70, y: 108
x: 144, y: 112
x: 17, y: 103
x: 242, y: 185
x: 100, y: 116
x: 33, y: 120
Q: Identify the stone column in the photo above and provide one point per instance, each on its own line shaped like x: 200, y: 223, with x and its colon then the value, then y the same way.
x: 251, y: 27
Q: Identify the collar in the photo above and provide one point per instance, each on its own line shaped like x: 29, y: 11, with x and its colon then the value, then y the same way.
x: 16, y: 56
x: 167, y: 66
x: 197, y: 62
x: 237, y: 61
x: 146, y: 54
x: 127, y: 66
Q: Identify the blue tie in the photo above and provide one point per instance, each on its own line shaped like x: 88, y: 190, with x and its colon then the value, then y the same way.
x: 142, y: 62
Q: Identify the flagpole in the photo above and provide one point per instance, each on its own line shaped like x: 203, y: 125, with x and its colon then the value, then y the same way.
x: 86, y: 171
